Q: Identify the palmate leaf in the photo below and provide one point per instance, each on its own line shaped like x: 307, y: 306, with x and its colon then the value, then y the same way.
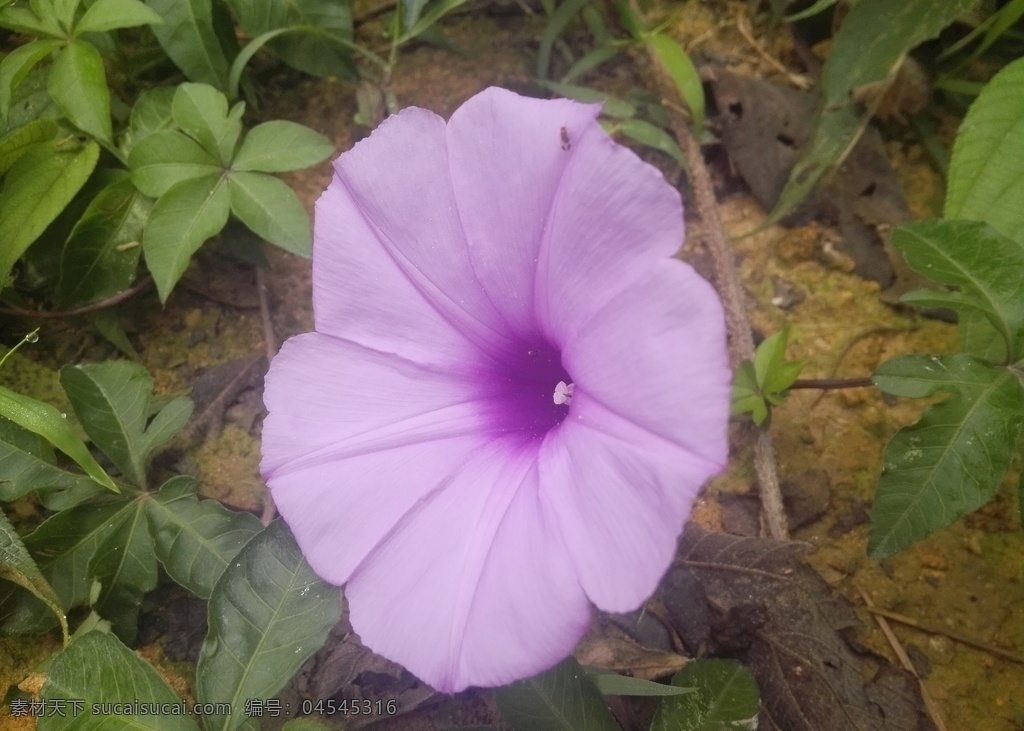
x: 196, y: 539
x: 268, y: 613
x: 105, y: 15
x: 279, y: 147
x: 725, y: 698
x: 97, y: 669
x: 202, y: 112
x: 112, y: 401
x: 560, y: 699
x: 952, y: 460
x: 164, y: 158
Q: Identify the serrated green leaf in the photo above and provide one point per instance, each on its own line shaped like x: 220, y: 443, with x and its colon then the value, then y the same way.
x: 986, y: 170
x: 16, y: 65
x: 34, y: 192
x: 271, y: 210
x: 560, y: 699
x: 202, y: 112
x: 17, y: 566
x: 44, y: 420
x: 105, y: 15
x: 952, y: 460
x: 609, y: 683
x: 726, y: 698
x: 79, y: 86
x: 97, y: 671
x: 189, y: 38
x: 684, y: 75
x: 163, y: 159
x: 280, y: 146
x: 112, y: 401
x: 196, y: 539
x: 181, y: 221
x: 653, y: 136
x: 867, y: 50
x: 24, y: 466
x: 18, y: 141
x: 268, y: 613
x: 322, y: 54
x: 101, y: 256
x: 985, y: 266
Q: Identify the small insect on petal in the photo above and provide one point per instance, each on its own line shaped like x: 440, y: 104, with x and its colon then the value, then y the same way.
x: 564, y: 135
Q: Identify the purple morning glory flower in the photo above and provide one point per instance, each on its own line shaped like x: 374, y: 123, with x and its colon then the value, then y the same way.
x: 513, y: 393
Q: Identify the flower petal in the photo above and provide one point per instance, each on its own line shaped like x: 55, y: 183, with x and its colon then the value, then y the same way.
x: 656, y: 355
x: 507, y: 161
x: 474, y: 586
x: 353, y: 440
x: 399, y: 222
x: 612, y: 216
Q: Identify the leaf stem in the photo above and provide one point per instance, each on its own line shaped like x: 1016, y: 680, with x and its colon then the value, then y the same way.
x: 83, y: 310
x: 832, y: 384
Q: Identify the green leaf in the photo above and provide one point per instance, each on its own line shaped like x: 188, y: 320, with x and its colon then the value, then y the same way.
x: 47, y: 422
x: 560, y: 699
x: 25, y: 467
x: 271, y: 210
x: 96, y: 669
x: 125, y: 568
x: 17, y: 566
x: 590, y: 61
x: 78, y: 85
x: 773, y: 373
x: 411, y: 10
x: 611, y: 106
x: 188, y: 37
x: 62, y: 10
x: 972, y: 256
x: 726, y: 698
x: 952, y: 460
x: 654, y: 137
x: 16, y: 65
x: 268, y: 613
x: 565, y: 12
x: 18, y: 141
x: 322, y: 54
x: 866, y: 52
x: 101, y: 256
x: 23, y: 20
x: 35, y: 190
x: 202, y: 112
x: 112, y: 401
x: 437, y: 11
x: 279, y: 147
x: 185, y: 216
x: 609, y: 683
x: 986, y: 171
x: 163, y: 159
x: 684, y: 74
x: 196, y: 539
x: 151, y: 113
x: 105, y: 15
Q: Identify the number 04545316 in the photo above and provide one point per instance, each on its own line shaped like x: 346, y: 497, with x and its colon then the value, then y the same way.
x: 333, y: 707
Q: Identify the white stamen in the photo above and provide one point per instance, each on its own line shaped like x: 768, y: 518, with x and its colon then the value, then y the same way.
x: 563, y: 393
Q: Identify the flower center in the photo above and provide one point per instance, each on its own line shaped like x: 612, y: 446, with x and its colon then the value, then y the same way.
x: 532, y: 391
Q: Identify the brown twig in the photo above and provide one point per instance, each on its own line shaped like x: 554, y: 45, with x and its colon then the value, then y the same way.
x: 894, y: 643
x: 103, y: 304
x: 741, y: 342
x: 832, y: 384
x: 963, y: 639
x: 270, y: 345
